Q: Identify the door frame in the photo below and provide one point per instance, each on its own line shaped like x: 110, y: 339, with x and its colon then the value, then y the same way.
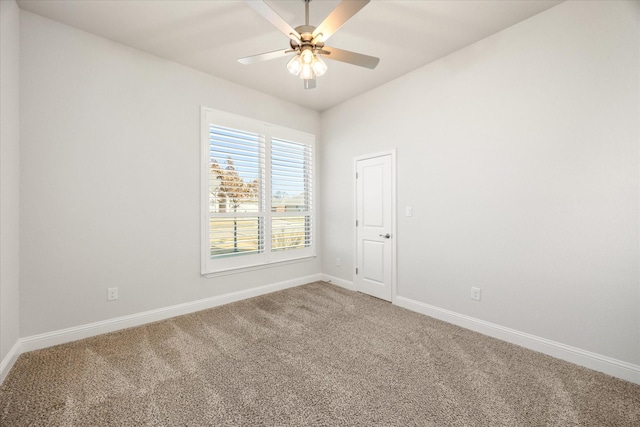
x: 394, y: 229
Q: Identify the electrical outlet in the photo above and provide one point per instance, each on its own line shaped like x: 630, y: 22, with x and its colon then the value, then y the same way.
x: 475, y: 294
x: 338, y: 262
x: 408, y: 211
x: 112, y: 293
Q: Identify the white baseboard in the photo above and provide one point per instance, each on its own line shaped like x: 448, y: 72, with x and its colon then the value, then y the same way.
x: 7, y: 363
x: 338, y: 281
x: 607, y: 365
x: 615, y: 368
x: 75, y: 333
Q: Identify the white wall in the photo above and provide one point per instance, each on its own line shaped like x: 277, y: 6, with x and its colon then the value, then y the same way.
x: 110, y: 178
x: 9, y: 182
x: 520, y: 157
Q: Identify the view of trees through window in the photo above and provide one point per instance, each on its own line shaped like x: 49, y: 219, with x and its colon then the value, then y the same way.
x: 238, y: 192
x: 230, y: 192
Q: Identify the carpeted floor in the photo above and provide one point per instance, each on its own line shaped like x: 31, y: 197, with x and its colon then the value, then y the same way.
x: 312, y: 355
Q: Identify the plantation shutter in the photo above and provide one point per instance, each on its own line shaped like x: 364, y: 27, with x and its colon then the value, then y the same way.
x: 236, y: 192
x: 291, y: 166
x: 257, y: 193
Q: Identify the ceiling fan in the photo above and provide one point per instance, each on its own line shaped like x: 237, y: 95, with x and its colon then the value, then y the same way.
x: 307, y: 41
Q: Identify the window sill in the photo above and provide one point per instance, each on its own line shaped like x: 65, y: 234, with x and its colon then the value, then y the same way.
x: 230, y: 271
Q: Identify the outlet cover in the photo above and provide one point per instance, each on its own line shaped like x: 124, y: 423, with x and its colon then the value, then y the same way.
x: 112, y: 294
x: 475, y: 294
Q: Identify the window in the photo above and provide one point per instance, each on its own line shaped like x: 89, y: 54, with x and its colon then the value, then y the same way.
x: 257, y: 193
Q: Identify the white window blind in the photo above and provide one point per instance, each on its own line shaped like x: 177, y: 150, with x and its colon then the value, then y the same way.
x: 291, y: 201
x: 236, y: 165
x: 257, y: 193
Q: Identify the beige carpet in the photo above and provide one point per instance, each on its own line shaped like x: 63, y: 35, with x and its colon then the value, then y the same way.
x: 311, y: 355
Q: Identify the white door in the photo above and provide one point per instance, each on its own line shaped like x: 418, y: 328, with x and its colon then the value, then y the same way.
x: 375, y: 226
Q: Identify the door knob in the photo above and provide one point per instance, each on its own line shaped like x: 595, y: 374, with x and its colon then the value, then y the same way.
x: 386, y: 236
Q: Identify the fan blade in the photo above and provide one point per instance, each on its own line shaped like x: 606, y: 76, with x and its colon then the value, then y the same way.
x: 341, y: 14
x: 309, y: 83
x: 270, y: 15
x: 351, y: 57
x: 248, y: 60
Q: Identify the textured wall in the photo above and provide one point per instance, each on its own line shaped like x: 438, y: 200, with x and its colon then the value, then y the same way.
x: 9, y: 175
x: 520, y: 157
x: 110, y: 192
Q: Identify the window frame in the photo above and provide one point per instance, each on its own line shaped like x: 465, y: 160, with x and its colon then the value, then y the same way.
x: 267, y: 258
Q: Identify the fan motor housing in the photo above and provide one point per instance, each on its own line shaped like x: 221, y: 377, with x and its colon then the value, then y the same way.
x: 306, y: 32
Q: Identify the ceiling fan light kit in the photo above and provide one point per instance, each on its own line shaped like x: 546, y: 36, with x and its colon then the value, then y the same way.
x: 307, y: 41
x: 307, y: 64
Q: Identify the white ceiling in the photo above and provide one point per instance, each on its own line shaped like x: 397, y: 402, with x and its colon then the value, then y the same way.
x: 210, y: 35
